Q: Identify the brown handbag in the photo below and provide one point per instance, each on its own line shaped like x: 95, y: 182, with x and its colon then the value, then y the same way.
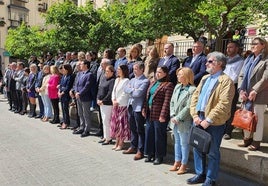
x: 245, y: 119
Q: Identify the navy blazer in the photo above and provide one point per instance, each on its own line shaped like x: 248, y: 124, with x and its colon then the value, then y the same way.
x: 198, y: 67
x: 173, y: 64
x: 84, y: 85
x: 66, y: 84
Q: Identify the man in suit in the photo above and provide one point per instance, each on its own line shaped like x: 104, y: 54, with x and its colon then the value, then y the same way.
x: 197, y: 62
x: 49, y: 59
x: 122, y: 60
x: 83, y: 96
x: 18, y: 78
x: 210, y: 108
x: 137, y: 88
x: 170, y: 61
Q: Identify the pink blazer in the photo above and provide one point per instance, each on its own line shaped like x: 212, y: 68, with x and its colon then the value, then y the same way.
x: 53, y: 82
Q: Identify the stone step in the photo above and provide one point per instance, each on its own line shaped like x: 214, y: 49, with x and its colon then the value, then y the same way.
x: 236, y: 160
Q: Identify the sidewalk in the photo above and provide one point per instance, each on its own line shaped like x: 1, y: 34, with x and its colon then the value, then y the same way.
x: 36, y: 153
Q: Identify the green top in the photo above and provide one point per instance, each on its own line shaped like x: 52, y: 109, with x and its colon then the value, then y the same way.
x: 152, y: 91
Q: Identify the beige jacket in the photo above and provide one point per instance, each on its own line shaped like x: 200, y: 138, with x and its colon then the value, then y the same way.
x: 218, y: 108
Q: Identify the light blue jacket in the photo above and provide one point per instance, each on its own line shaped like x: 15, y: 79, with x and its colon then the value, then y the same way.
x: 180, y: 107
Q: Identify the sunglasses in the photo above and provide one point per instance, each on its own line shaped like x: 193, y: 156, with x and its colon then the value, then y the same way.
x: 210, y: 61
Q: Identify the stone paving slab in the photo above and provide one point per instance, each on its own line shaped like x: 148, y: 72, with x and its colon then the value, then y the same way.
x: 36, y: 153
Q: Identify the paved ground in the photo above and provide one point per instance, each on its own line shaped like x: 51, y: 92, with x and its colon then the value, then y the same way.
x: 37, y: 153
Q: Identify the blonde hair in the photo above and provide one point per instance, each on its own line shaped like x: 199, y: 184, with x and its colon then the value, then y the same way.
x: 81, y: 56
x: 265, y: 49
x: 188, y: 74
x: 54, y: 69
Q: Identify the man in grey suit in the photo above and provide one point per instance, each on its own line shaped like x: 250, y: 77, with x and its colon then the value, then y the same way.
x: 137, y: 88
x: 18, y: 78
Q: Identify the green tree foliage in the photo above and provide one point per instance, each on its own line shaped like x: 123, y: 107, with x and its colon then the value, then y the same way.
x: 73, y: 28
x: 23, y: 41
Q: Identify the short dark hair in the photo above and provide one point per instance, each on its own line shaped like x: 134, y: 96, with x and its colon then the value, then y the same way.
x: 165, y: 69
x: 68, y: 68
x: 87, y: 63
x: 235, y: 43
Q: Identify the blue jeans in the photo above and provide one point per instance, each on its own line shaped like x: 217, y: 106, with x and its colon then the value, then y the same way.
x: 181, y: 146
x: 214, y: 155
x: 47, y: 106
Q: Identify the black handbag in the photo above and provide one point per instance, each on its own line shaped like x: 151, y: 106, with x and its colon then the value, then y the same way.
x: 200, y: 139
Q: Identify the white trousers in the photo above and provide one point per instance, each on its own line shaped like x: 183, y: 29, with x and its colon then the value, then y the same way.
x: 259, y: 111
x: 106, y: 113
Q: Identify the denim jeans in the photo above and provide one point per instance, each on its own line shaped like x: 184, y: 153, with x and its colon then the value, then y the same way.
x: 181, y: 146
x: 213, y: 165
x: 47, y: 106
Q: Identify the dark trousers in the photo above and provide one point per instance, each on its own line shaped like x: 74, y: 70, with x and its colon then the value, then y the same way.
x: 25, y: 101
x: 229, y: 127
x: 41, y: 105
x: 155, y: 139
x: 136, y: 121
x: 55, y: 106
x: 19, y: 100
x: 65, y: 111
x: 9, y: 98
x: 14, y: 101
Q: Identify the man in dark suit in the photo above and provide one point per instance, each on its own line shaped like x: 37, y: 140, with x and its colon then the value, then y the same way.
x: 170, y: 61
x: 84, y: 98
x: 197, y: 62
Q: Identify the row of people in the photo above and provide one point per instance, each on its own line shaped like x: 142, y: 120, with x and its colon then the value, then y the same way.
x: 126, y: 104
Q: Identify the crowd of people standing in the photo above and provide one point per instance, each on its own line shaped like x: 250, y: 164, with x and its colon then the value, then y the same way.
x: 139, y: 97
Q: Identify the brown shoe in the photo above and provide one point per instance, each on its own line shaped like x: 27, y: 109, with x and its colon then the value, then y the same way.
x: 175, y: 167
x: 138, y: 156
x: 182, y: 169
x: 130, y: 151
x: 246, y: 142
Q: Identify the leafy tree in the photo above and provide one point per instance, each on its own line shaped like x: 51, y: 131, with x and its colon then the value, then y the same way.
x: 23, y: 41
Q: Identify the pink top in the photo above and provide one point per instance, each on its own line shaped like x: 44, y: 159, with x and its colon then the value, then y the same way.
x: 53, y: 82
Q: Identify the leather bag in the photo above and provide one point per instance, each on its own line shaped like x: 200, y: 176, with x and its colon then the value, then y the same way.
x: 200, y: 139
x: 245, y: 119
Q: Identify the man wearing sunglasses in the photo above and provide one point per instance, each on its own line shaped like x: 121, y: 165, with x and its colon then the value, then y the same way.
x: 210, y: 109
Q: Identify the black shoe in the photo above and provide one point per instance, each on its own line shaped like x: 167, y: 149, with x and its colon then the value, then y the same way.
x: 54, y: 121
x: 85, y: 134
x: 209, y: 182
x: 196, y: 179
x: 227, y: 136
x: 101, y: 141
x: 38, y: 116
x: 149, y: 159
x: 158, y: 161
x: 108, y: 142
x: 16, y: 111
x: 99, y: 133
x: 78, y: 132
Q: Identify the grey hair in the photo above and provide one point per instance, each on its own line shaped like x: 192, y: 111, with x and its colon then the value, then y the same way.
x: 140, y: 64
x: 220, y: 57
